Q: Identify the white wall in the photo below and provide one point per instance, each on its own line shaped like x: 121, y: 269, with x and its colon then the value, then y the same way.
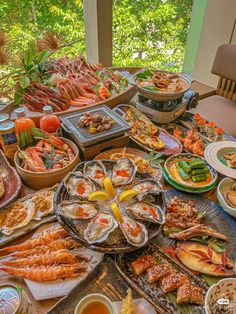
x: 216, y: 30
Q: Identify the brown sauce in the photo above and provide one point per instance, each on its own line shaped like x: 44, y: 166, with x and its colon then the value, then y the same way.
x: 95, y: 307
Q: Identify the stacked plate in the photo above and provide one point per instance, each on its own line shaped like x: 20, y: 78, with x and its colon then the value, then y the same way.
x: 214, y: 155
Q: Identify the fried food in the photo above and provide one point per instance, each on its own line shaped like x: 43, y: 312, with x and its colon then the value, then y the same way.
x: 2, y: 188
x: 128, y: 306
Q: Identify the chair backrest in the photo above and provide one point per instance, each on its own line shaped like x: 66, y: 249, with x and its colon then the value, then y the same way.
x: 225, y: 66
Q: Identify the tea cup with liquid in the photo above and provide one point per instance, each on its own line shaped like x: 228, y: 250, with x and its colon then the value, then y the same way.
x: 95, y: 304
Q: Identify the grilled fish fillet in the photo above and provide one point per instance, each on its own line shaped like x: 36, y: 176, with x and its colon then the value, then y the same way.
x: 197, y: 257
x: 195, y: 231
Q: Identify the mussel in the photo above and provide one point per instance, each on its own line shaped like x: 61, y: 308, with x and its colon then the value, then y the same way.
x: 135, y: 233
x: 96, y: 171
x: 147, y: 212
x: 77, y: 209
x: 123, y: 171
x: 78, y: 185
x: 99, y: 228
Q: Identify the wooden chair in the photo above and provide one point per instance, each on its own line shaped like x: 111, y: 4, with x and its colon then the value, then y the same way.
x: 221, y: 108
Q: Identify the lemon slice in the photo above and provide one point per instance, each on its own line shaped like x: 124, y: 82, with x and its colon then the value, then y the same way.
x: 98, y: 196
x: 127, y: 195
x: 109, y: 186
x: 116, y: 212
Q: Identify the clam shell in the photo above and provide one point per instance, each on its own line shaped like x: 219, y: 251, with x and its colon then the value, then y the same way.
x: 96, y: 171
x: 135, y: 240
x: 123, y: 172
x: 146, y: 187
x: 30, y: 209
x: 147, y: 212
x: 43, y: 202
x: 230, y: 197
x: 78, y: 185
x: 77, y: 209
x: 99, y: 228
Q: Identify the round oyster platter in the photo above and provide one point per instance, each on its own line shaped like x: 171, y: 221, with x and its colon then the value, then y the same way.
x: 110, y: 206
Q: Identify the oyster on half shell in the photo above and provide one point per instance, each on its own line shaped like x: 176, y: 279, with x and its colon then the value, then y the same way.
x: 99, y: 228
x: 96, y: 171
x: 78, y: 185
x: 123, y: 171
x: 147, y: 212
x: 135, y: 233
x: 147, y: 186
x: 77, y: 209
x: 43, y: 202
x: 20, y: 214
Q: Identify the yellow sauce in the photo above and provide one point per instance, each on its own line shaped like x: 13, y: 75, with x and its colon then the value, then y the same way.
x: 177, y: 177
x: 95, y: 307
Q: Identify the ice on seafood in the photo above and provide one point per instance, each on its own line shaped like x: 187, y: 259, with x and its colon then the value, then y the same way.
x: 78, y: 185
x: 123, y: 171
x: 147, y: 212
x: 135, y: 233
x: 147, y: 186
x: 99, y: 228
x: 19, y: 215
x: 43, y: 202
x: 96, y: 171
x: 77, y: 209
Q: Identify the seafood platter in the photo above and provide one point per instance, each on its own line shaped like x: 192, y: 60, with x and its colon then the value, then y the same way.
x: 61, y: 212
x: 110, y: 206
x: 50, y: 262
x: 161, y: 85
x: 146, y: 134
x: 93, y: 126
x: 145, y: 163
x: 189, y: 173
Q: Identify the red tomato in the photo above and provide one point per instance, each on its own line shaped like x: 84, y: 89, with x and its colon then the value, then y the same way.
x: 49, y: 123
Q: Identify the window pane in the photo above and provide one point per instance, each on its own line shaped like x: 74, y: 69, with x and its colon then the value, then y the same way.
x: 150, y: 32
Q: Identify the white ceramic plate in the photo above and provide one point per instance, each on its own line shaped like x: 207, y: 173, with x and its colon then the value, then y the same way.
x: 212, y: 152
x: 220, y: 293
x: 58, y: 288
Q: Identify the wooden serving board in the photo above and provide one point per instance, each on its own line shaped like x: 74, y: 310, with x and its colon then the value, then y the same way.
x: 89, y: 152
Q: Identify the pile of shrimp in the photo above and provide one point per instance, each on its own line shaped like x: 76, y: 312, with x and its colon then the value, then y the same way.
x: 50, y: 255
x: 191, y: 141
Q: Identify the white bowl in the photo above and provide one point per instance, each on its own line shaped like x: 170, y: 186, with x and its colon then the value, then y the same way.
x: 94, y: 297
x: 223, y: 187
x: 221, y: 290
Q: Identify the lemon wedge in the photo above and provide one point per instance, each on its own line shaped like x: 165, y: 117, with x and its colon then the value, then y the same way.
x: 108, y: 186
x: 116, y: 212
x: 127, y: 195
x: 98, y: 196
